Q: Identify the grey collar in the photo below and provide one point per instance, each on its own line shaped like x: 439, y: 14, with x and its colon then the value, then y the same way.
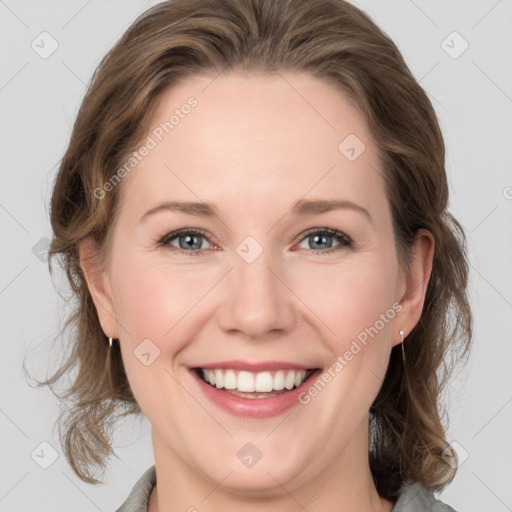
x: 413, y: 497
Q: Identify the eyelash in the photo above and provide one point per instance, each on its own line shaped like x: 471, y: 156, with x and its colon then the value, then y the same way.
x: 344, y: 240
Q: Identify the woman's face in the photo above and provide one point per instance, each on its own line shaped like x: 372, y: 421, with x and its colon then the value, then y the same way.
x: 262, y: 286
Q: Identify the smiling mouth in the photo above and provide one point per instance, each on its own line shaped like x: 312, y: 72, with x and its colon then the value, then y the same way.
x: 247, y: 384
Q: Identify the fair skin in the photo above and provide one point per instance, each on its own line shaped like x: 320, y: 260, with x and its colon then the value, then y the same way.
x: 253, y: 146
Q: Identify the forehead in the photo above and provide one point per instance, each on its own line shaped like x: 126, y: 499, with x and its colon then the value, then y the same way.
x: 255, y: 137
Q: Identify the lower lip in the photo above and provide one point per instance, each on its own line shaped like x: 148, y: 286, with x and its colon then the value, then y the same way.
x: 254, y: 408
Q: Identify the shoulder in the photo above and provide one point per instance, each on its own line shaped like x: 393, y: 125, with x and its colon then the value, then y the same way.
x: 414, y: 497
x: 138, y: 499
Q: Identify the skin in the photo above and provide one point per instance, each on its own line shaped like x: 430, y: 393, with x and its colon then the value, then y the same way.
x: 253, y: 146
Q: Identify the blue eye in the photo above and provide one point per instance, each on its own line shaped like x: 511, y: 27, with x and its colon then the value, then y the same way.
x: 190, y: 241
x: 320, y: 238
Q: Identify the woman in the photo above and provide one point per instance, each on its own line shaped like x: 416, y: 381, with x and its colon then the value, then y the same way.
x: 252, y: 213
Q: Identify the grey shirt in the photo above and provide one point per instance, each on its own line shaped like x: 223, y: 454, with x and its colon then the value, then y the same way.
x: 413, y: 497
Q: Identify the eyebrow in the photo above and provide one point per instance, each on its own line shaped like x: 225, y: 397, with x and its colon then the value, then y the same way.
x: 302, y: 207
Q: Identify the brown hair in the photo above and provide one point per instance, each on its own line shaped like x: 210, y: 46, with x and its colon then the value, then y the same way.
x: 331, y: 40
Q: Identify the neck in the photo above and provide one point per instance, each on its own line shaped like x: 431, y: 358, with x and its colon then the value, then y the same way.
x: 345, y: 486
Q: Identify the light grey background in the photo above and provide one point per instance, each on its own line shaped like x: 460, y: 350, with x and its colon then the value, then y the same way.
x: 39, y: 99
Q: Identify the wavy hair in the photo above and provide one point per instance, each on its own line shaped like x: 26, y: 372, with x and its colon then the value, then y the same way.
x: 338, y: 43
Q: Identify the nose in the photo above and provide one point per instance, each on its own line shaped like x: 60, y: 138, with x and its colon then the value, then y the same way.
x: 258, y: 301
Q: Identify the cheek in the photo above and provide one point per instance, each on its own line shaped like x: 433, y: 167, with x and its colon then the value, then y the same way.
x: 357, y: 307
x: 149, y: 302
x: 152, y: 296
x: 351, y: 297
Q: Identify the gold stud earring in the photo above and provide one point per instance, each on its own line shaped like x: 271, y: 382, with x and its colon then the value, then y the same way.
x: 110, y: 343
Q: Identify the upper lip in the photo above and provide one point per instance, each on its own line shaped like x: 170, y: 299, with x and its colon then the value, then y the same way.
x: 254, y: 366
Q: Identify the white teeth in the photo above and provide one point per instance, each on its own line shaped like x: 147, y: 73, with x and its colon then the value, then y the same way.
x: 245, y: 382
x: 219, y: 379
x: 248, y: 382
x: 279, y: 380
x: 289, y: 381
x: 264, y: 382
x: 230, y: 380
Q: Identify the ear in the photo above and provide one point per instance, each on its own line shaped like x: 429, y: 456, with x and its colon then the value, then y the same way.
x: 99, y: 286
x: 415, y: 283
